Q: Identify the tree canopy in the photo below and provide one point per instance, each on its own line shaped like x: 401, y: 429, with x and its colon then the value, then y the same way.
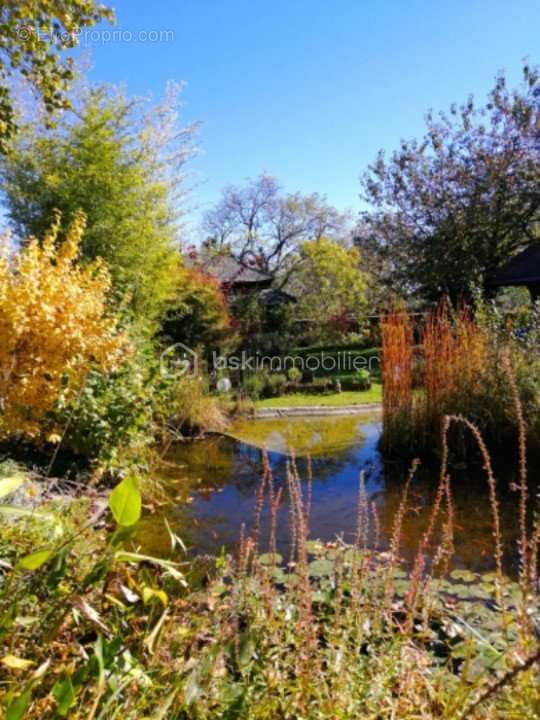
x: 449, y: 209
x: 33, y: 37
x: 332, y: 285
x: 199, y: 315
x: 263, y: 226
x: 122, y: 164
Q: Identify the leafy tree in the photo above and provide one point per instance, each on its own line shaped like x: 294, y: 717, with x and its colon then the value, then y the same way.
x: 123, y: 165
x: 262, y: 327
x: 264, y: 227
x: 113, y: 422
x: 199, y: 315
x: 55, y: 329
x: 450, y: 208
x: 33, y: 36
x: 332, y: 285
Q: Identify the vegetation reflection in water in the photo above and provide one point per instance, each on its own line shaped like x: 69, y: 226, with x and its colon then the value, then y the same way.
x: 214, y: 482
x: 314, y: 436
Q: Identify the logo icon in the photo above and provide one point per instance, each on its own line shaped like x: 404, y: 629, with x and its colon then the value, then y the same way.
x: 178, y: 360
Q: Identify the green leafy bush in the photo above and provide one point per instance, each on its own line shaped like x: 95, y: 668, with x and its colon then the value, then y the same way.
x: 255, y: 384
x: 276, y: 384
x: 113, y: 422
x: 262, y: 384
x: 364, y: 379
x: 294, y: 374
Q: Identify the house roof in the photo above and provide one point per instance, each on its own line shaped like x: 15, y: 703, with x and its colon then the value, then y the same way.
x: 231, y: 272
x: 523, y: 269
x: 273, y: 296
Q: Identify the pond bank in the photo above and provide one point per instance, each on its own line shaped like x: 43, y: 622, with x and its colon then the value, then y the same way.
x: 314, y: 410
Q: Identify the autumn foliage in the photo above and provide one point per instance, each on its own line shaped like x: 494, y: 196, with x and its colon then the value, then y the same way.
x: 55, y: 326
x: 452, y: 370
x: 200, y: 315
x: 456, y: 358
x: 397, y: 339
x: 397, y: 344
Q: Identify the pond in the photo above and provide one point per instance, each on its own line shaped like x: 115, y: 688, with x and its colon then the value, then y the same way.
x: 213, y: 484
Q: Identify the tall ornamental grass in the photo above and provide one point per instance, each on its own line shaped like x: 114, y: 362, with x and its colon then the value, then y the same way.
x: 461, y: 365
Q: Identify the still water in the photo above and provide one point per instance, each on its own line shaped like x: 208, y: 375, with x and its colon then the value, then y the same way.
x: 213, y: 482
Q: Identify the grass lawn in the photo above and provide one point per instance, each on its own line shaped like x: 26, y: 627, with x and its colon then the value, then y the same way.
x: 374, y: 395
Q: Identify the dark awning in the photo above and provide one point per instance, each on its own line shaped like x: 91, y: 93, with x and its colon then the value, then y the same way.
x: 523, y: 269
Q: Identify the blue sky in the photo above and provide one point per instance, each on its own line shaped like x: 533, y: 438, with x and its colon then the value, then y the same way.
x: 310, y: 90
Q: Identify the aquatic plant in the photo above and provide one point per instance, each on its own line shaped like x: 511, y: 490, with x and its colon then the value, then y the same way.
x: 93, y: 629
x: 461, y: 367
x: 397, y: 344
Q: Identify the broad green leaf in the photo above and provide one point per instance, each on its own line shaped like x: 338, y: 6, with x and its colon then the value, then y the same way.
x: 64, y: 694
x: 148, y: 593
x: 18, y: 706
x: 167, y: 565
x: 34, y: 560
x: 9, y: 485
x: 125, y: 502
x: 16, y: 663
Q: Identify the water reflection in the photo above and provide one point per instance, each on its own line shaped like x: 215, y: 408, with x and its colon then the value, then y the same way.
x: 214, y: 482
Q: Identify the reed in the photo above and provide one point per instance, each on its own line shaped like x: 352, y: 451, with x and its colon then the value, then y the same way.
x: 456, y: 372
x: 395, y: 538
x: 527, y: 571
x: 324, y: 639
x: 397, y: 364
x: 492, y: 485
x: 455, y: 352
x: 334, y: 634
x: 349, y: 644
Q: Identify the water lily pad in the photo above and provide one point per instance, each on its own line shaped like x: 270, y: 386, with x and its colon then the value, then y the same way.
x: 491, y: 623
x: 498, y: 640
x: 463, y: 575
x: 321, y: 568
x: 315, y: 547
x: 331, y: 553
x: 461, y: 650
x: 270, y: 559
x: 291, y: 579
x: 492, y: 659
x: 462, y: 591
x: 276, y: 573
x: 468, y: 610
x: 442, y: 585
x: 489, y: 577
x: 481, y: 592
x: 514, y: 592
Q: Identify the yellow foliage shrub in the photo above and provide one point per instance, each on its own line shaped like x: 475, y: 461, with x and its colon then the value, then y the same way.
x: 54, y: 328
